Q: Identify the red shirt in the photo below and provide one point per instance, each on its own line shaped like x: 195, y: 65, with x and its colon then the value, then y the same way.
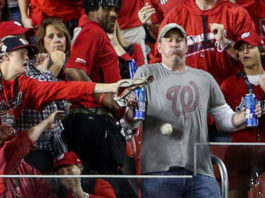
x: 162, y: 7
x: 12, y: 152
x: 33, y: 94
x: 256, y: 9
x: 234, y: 88
x: 128, y: 14
x: 93, y: 52
x: 66, y: 10
x: 208, y: 54
x: 102, y: 189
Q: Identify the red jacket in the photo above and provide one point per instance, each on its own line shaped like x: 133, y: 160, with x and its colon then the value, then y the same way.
x: 33, y: 94
x: 234, y: 88
x: 207, y: 54
x: 12, y: 152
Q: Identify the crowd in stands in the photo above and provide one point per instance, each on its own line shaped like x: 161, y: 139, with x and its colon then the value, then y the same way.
x: 63, y: 63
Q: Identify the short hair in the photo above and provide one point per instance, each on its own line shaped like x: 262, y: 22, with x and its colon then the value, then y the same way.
x: 60, y: 26
x: 93, y: 5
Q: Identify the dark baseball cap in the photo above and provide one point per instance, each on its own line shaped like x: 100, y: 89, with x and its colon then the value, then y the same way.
x: 251, y: 38
x: 14, y: 43
x: 14, y: 28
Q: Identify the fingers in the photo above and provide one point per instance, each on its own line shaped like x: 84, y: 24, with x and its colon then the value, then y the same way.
x: 258, y: 110
x: 40, y: 58
x: 262, y: 82
x: 145, y: 13
x: 218, y: 31
x: 59, y: 115
x: 132, y: 101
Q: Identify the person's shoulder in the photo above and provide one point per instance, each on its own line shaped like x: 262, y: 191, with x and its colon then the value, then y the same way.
x: 231, y: 81
x: 232, y: 6
x: 200, y: 72
x: 92, y: 28
x: 150, y: 67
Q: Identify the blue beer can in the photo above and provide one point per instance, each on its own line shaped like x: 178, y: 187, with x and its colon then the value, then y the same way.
x: 250, y: 105
x: 139, y: 111
x: 132, y: 68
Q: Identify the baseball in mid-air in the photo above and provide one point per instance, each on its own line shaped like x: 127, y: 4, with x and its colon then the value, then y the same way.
x: 166, y: 129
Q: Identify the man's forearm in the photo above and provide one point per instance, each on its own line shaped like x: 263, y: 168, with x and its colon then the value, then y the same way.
x: 35, y: 132
x: 23, y: 7
x: 239, y: 119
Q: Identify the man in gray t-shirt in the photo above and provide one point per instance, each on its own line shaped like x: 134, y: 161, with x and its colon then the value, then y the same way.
x: 180, y: 97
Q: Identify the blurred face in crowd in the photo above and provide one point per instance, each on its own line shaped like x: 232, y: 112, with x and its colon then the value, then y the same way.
x: 248, y: 55
x: 54, y: 40
x: 69, y: 170
x: 16, y: 63
x: 106, y: 17
x: 173, y: 47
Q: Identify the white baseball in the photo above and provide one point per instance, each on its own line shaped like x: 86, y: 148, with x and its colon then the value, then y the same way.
x: 166, y: 129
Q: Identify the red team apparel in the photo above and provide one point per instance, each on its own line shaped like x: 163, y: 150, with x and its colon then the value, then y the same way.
x: 137, y: 55
x: 93, y: 52
x: 66, y: 10
x: 128, y: 14
x: 234, y: 88
x: 33, y: 94
x: 102, y: 189
x: 12, y: 152
x: 204, y: 51
x: 162, y: 7
x: 256, y: 9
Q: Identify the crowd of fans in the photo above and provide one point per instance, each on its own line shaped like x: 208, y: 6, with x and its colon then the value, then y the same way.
x: 204, y: 55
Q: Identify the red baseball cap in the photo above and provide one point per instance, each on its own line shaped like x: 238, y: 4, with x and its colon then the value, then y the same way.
x: 251, y: 38
x: 67, y: 158
x: 14, y: 28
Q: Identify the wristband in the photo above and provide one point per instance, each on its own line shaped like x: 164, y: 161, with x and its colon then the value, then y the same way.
x: 229, y: 45
x: 101, y: 98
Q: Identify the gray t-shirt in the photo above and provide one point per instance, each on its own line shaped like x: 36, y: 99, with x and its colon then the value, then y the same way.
x: 184, y: 100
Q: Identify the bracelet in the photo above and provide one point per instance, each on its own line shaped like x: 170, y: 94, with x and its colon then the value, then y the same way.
x: 229, y: 45
x: 101, y: 98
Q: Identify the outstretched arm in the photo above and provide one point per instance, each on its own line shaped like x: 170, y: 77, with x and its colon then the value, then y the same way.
x: 35, y: 132
x: 23, y: 7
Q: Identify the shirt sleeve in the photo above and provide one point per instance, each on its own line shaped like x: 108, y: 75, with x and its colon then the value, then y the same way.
x: 83, y: 56
x: 40, y: 94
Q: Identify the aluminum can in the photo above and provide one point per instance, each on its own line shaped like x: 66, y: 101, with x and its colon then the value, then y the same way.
x: 132, y: 68
x: 139, y: 111
x: 250, y: 105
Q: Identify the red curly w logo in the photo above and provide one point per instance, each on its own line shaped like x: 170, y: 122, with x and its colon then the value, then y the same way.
x: 188, y: 96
